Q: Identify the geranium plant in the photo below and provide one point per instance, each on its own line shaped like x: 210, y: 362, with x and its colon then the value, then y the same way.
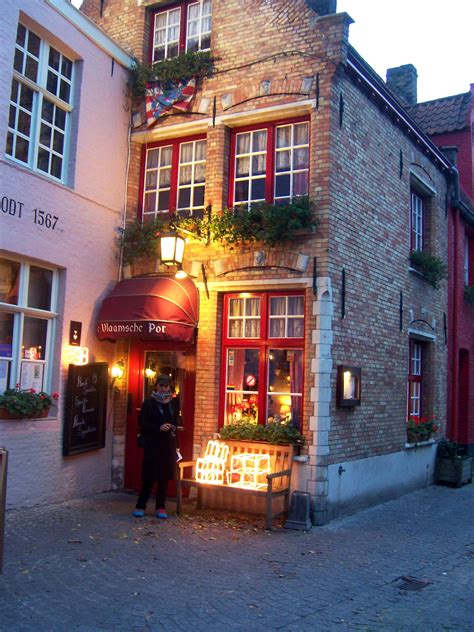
x: 26, y: 402
x: 420, y: 428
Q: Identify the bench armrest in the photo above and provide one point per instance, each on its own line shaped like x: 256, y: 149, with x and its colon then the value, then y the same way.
x: 183, y: 464
x: 278, y: 474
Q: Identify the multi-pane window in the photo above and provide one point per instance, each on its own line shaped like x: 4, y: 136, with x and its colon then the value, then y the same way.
x: 263, y: 358
x: 416, y: 222
x: 40, y: 105
x: 415, y: 378
x: 183, y: 28
x: 28, y: 304
x: 270, y: 163
x: 468, y: 261
x: 174, y: 179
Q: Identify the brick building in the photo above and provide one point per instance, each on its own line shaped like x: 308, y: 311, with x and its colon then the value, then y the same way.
x: 449, y: 122
x: 62, y: 173
x: 291, y: 109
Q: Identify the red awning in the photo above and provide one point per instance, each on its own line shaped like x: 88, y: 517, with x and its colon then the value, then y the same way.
x: 150, y: 308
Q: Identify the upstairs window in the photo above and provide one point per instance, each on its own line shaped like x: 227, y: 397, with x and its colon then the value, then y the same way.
x: 269, y: 163
x: 185, y: 27
x: 40, y: 105
x: 417, y: 221
x: 174, y: 178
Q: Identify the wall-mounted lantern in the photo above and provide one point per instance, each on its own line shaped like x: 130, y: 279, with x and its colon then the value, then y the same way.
x: 117, y: 371
x: 348, y: 387
x: 172, y: 251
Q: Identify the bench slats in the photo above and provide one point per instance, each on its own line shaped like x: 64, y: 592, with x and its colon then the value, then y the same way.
x: 281, y: 457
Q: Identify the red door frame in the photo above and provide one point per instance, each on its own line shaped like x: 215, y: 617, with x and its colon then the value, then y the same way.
x: 133, y: 454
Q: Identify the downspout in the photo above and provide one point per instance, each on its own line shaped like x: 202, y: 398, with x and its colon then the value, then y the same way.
x: 452, y: 431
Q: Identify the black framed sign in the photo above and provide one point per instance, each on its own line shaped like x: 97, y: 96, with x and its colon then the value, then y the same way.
x: 86, y: 408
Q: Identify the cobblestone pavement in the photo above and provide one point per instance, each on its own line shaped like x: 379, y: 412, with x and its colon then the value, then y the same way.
x: 88, y: 566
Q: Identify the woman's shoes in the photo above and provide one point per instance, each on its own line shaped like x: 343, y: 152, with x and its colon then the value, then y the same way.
x: 161, y: 513
x: 139, y: 513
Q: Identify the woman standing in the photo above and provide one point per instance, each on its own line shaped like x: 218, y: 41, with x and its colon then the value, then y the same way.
x: 157, y: 423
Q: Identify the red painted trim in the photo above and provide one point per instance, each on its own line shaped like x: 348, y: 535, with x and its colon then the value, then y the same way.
x: 174, y: 143
x: 183, y: 23
x: 141, y: 184
x: 270, y: 165
x: 263, y: 344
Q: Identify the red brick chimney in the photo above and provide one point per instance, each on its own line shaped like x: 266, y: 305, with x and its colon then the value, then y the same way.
x: 402, y: 82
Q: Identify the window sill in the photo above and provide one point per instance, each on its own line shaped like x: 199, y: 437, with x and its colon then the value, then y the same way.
x: 419, y: 444
x: 417, y: 273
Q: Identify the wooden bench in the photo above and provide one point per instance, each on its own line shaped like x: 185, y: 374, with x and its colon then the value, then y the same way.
x: 277, y: 482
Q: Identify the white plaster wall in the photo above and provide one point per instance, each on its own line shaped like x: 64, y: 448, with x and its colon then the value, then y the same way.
x: 81, y: 247
x: 378, y: 479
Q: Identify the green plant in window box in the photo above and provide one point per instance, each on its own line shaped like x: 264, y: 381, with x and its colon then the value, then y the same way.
x: 469, y: 294
x: 269, y: 224
x: 181, y: 68
x: 17, y: 403
x: 276, y: 433
x: 433, y: 268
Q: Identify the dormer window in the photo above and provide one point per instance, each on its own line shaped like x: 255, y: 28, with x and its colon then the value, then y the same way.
x: 183, y: 28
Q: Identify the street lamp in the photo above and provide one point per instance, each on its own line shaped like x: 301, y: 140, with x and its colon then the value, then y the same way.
x: 172, y: 249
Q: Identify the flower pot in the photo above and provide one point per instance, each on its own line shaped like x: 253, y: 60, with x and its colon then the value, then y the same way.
x: 416, y: 437
x: 457, y: 471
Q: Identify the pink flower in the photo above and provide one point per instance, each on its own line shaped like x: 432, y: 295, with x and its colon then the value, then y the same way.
x: 55, y: 395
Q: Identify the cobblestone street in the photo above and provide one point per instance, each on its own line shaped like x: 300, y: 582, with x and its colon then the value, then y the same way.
x: 88, y: 565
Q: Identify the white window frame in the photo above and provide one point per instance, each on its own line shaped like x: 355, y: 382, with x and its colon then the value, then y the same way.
x: 415, y: 385
x: 168, y: 42
x: 184, y: 37
x: 200, y: 19
x: 466, y: 261
x: 20, y: 311
x: 417, y: 221
x: 40, y: 95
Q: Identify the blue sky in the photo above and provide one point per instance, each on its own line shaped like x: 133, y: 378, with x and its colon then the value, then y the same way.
x: 433, y: 35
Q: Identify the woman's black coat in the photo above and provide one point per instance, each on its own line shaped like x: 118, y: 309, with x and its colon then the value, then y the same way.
x: 159, y: 456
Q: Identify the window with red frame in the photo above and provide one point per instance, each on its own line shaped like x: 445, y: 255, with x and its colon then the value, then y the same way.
x: 183, y: 27
x: 415, y: 379
x: 262, y: 358
x: 270, y: 163
x: 174, y: 178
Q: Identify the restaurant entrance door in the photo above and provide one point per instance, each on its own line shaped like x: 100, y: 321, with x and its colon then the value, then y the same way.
x: 147, y: 361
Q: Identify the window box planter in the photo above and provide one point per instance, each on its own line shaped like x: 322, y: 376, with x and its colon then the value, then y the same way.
x: 6, y: 414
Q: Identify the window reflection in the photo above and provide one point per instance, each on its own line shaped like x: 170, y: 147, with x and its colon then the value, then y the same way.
x: 242, y: 386
x: 285, y: 386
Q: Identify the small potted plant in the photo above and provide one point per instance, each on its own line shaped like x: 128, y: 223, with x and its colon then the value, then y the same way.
x: 453, y: 464
x: 16, y: 403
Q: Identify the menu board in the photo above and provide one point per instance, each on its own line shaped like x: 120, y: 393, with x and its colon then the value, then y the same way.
x: 86, y: 408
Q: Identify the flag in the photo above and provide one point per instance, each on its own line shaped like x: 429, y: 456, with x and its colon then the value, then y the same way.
x: 162, y: 97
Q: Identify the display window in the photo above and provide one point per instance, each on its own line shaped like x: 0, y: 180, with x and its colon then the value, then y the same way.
x: 262, y: 358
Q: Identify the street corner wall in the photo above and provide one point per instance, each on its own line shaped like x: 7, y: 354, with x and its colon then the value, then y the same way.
x: 355, y: 485
x: 373, y: 165
x: 78, y: 242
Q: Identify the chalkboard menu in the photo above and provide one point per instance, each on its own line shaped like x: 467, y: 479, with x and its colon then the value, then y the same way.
x: 86, y: 408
